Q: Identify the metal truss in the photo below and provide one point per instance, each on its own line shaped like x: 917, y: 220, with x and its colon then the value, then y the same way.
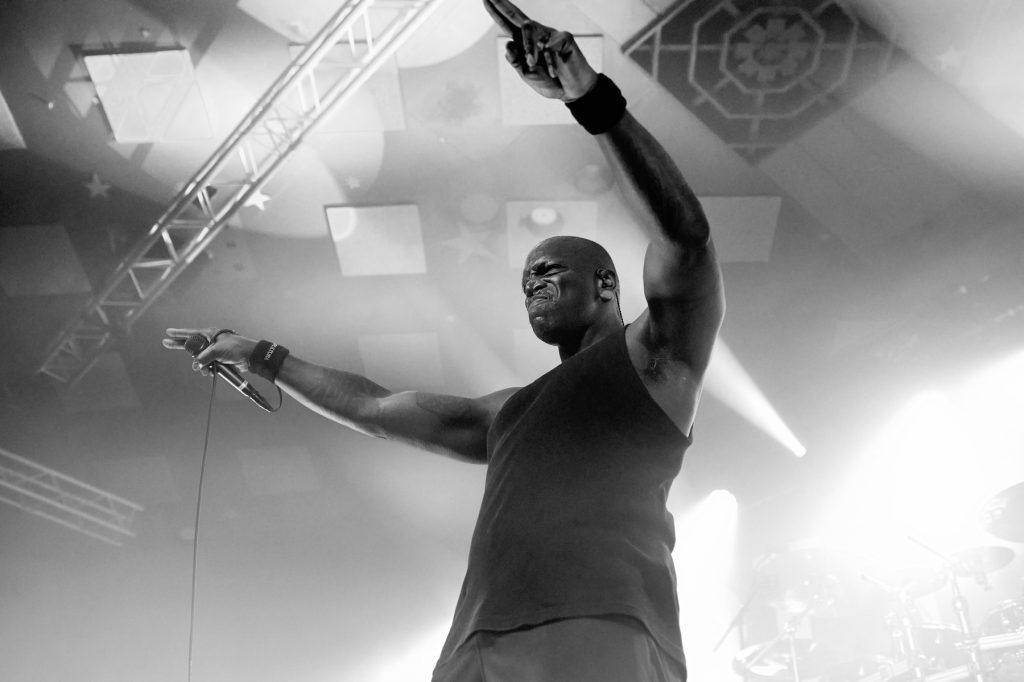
x: 64, y: 500
x: 367, y: 32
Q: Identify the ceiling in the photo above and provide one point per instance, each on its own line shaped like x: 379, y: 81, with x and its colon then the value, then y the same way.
x: 872, y: 233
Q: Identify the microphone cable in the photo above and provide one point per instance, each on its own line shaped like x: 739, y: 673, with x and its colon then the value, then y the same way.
x: 195, y: 530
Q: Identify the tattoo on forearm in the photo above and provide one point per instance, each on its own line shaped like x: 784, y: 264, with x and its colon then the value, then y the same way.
x: 340, y: 392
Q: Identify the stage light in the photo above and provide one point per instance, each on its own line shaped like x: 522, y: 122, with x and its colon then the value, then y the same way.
x: 730, y: 383
x: 543, y: 222
x: 929, y: 470
x: 722, y: 505
x: 706, y: 546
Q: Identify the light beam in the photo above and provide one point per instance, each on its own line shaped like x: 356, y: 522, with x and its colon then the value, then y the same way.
x: 729, y: 382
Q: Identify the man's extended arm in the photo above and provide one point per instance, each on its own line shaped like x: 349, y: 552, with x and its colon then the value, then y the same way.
x: 448, y: 425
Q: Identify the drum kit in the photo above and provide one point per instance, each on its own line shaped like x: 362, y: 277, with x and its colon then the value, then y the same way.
x: 814, y: 583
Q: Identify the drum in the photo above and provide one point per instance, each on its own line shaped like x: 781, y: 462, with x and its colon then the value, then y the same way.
x: 938, y: 647
x: 1002, y: 641
x: 867, y: 669
x: 1005, y: 618
x: 783, y: 659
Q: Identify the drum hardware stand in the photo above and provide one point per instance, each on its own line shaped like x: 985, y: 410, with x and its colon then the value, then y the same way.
x: 737, y: 620
x: 962, y: 613
x: 903, y: 636
x: 789, y: 634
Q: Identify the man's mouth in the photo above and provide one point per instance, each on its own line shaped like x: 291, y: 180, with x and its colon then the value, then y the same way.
x: 538, y: 298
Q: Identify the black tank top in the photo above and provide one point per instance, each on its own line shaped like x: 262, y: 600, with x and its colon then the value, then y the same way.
x: 573, y: 520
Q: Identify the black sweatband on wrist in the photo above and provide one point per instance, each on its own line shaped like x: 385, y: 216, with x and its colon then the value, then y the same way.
x: 266, y: 358
x: 601, y: 108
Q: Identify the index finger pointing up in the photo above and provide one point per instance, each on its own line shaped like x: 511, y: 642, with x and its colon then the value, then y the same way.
x: 506, y: 15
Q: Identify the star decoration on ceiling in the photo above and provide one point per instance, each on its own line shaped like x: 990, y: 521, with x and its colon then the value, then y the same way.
x: 952, y: 59
x: 470, y: 243
x: 257, y: 199
x: 96, y: 187
x: 353, y: 182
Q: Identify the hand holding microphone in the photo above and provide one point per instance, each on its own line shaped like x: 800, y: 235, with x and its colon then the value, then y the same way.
x: 221, y: 352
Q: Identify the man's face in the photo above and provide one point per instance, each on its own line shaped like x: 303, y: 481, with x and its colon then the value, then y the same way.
x: 560, y: 292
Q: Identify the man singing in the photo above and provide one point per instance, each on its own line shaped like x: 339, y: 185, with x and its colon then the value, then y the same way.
x: 570, y: 575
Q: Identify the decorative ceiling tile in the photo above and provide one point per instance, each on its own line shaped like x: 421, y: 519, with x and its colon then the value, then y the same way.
x: 759, y: 74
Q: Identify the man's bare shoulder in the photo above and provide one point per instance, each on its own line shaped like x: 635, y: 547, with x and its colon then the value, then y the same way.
x: 493, y: 402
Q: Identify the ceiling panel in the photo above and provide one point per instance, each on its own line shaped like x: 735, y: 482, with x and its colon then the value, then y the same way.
x: 150, y: 96
x: 377, y: 240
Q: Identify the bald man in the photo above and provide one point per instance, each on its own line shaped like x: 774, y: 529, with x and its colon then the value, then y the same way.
x: 570, y: 574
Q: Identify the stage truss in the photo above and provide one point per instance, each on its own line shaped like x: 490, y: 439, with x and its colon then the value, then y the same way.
x: 293, y: 105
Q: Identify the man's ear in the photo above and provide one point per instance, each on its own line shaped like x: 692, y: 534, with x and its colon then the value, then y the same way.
x: 607, y: 284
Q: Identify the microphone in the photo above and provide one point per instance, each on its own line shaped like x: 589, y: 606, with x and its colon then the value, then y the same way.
x: 197, y: 343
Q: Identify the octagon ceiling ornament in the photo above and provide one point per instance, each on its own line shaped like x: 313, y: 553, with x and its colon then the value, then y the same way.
x: 759, y: 74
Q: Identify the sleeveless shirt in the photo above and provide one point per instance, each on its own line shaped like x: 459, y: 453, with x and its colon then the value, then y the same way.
x: 573, y: 520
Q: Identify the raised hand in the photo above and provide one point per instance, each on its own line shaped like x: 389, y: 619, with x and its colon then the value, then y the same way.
x: 548, y: 60
x: 229, y: 348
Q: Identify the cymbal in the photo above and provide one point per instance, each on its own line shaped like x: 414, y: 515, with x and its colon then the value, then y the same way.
x: 975, y: 560
x: 1003, y: 514
x: 914, y: 581
x: 924, y: 584
x: 774, y: 660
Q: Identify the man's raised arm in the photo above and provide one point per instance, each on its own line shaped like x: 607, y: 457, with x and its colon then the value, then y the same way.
x: 682, y: 280
x: 448, y: 425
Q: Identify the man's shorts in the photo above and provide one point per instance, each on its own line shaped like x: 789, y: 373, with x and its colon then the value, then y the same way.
x: 602, y: 649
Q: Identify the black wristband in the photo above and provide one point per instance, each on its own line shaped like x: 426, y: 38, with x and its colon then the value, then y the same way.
x: 266, y: 358
x: 601, y: 108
